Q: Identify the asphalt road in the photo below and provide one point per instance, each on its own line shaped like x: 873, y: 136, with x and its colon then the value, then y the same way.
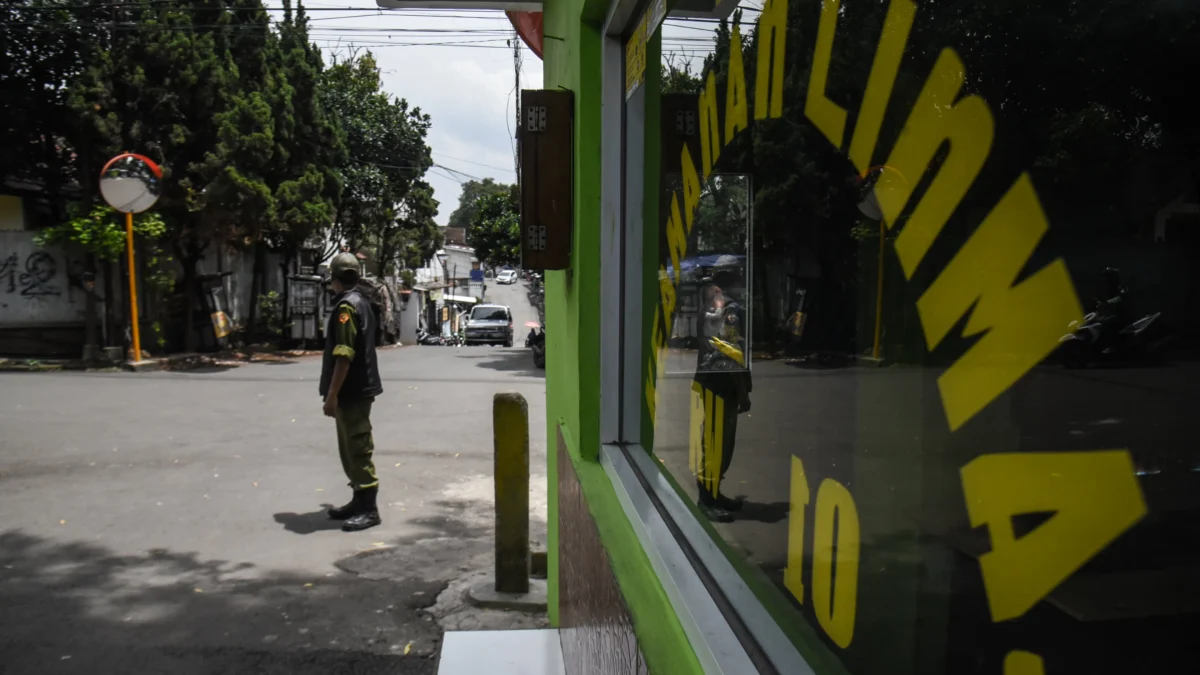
x: 174, y: 522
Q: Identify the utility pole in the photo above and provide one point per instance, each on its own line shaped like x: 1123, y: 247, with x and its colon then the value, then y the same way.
x: 516, y: 45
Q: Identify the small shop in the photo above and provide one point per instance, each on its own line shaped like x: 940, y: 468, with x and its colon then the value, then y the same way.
x: 858, y: 358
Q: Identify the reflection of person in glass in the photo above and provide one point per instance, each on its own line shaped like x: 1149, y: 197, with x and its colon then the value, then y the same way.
x: 720, y: 388
x: 1112, y: 308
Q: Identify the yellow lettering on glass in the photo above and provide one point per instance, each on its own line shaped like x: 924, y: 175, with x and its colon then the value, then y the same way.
x: 1022, y: 323
x: 879, y: 84
x: 835, y: 571
x: 691, y: 188
x: 706, y: 436
x: 793, y: 574
x: 651, y: 391
x: 772, y: 38
x: 710, y: 126
x: 696, y: 430
x: 666, y: 292
x: 1018, y: 662
x: 936, y: 118
x: 676, y: 239
x: 1094, y: 497
x: 825, y: 114
x: 654, y: 365
x: 735, y: 88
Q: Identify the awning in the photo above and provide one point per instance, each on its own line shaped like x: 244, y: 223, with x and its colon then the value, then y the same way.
x: 529, y: 27
x: 460, y: 298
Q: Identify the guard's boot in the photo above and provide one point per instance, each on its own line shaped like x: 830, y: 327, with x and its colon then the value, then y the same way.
x: 368, y: 512
x: 349, y: 510
x: 711, y: 509
x: 720, y: 501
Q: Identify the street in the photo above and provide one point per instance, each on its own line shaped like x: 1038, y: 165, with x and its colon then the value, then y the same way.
x: 175, y: 522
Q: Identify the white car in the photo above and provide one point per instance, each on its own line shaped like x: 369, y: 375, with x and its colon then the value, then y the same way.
x: 507, y: 277
x: 489, y: 324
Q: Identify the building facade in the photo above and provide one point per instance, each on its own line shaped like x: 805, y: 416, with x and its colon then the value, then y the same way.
x: 872, y: 353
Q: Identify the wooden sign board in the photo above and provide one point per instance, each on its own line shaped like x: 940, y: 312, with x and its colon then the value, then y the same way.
x: 679, y: 126
x: 547, y: 216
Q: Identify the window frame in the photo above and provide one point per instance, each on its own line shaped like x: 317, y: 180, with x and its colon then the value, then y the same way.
x: 729, y: 628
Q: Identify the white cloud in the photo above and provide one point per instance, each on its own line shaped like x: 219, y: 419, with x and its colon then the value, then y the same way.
x: 467, y: 89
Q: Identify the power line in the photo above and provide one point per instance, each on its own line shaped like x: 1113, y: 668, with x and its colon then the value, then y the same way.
x: 489, y: 166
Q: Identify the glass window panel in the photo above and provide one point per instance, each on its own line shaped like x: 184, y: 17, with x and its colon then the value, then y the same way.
x: 962, y: 241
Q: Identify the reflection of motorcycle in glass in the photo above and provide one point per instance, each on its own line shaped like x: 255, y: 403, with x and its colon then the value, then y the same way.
x: 1091, y: 340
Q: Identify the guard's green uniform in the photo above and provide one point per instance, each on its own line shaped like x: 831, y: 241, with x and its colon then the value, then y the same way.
x: 356, y: 445
x: 350, y: 335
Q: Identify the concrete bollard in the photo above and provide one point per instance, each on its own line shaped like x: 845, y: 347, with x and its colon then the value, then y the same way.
x: 510, y: 426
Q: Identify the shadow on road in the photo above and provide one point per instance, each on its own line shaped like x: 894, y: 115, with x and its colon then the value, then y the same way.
x: 307, y: 523
x: 78, y: 607
x: 206, y: 369
x: 506, y: 360
x: 763, y: 513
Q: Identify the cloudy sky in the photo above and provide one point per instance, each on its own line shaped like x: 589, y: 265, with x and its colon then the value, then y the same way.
x: 455, y: 65
x: 458, y: 67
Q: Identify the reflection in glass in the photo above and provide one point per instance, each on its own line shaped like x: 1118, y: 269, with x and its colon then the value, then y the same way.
x: 978, y: 197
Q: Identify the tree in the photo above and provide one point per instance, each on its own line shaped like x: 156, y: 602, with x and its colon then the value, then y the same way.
x: 386, y: 151
x: 495, y: 233
x: 1078, y: 100
x: 310, y: 149
x: 413, y: 237
x: 468, y: 200
x: 43, y: 46
x: 679, y: 78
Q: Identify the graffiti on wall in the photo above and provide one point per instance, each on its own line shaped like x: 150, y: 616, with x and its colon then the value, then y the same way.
x: 33, y: 278
x: 38, y: 285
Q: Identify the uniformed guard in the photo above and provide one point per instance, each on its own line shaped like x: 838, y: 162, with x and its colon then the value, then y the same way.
x: 721, y: 387
x: 349, y: 384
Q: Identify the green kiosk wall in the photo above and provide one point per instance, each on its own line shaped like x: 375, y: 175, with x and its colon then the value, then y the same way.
x: 604, y: 594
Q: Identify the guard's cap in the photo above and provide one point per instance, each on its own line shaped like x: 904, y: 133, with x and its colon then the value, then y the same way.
x: 342, y: 263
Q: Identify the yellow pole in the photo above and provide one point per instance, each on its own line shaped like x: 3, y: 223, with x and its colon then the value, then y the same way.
x: 133, y: 306
x: 510, y: 433
x: 879, y: 293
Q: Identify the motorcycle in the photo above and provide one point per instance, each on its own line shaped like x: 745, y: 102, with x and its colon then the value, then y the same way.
x: 1090, y: 340
x: 430, y: 339
x: 536, y: 342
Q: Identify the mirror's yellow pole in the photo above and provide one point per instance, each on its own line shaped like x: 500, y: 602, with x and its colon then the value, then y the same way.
x: 133, y: 306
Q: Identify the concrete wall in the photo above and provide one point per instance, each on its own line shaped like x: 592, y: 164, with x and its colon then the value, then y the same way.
x: 12, y: 214
x: 411, y: 317
x: 458, y: 262
x: 39, y: 286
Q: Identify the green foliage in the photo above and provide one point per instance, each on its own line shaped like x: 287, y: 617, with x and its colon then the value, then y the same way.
x: 722, y: 220
x: 412, y: 237
x: 468, y: 200
x: 386, y: 153
x: 271, y: 316
x: 263, y: 145
x: 408, y: 278
x: 678, y: 77
x: 100, y: 230
x: 496, y: 230
x: 160, y: 337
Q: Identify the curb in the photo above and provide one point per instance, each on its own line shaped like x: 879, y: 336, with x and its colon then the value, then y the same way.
x: 484, y: 595
x: 144, y: 366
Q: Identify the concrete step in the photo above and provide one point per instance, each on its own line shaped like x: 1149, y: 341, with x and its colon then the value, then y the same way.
x: 501, y: 652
